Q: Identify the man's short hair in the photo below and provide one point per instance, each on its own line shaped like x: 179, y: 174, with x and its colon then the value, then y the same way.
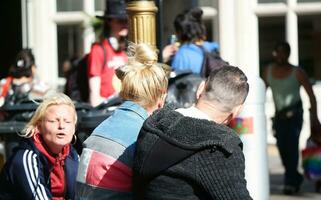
x: 227, y: 87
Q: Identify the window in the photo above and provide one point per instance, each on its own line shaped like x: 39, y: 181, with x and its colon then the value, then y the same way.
x: 303, y: 1
x: 271, y: 31
x: 271, y: 1
x: 205, y: 3
x: 99, y: 5
x: 310, y: 45
x: 70, y: 45
x: 69, y: 5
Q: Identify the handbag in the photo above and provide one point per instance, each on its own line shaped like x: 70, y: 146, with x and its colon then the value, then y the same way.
x: 311, y: 160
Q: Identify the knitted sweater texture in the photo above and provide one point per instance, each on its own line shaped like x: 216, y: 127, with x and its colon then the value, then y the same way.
x: 180, y: 157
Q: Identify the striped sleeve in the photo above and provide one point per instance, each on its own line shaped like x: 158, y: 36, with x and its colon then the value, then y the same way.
x: 29, y: 177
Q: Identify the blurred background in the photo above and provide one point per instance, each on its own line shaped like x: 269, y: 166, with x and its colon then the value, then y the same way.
x: 246, y: 30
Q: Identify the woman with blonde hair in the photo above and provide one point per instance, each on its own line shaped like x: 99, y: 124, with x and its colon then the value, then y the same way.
x: 44, y: 165
x: 105, y: 169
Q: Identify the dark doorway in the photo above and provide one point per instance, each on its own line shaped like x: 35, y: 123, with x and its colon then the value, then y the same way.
x: 271, y: 31
x: 310, y: 45
x: 10, y: 34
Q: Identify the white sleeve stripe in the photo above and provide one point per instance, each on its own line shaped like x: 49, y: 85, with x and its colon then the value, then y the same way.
x: 30, y: 166
x: 32, y: 176
x: 41, y: 187
x: 26, y: 169
x: 40, y: 190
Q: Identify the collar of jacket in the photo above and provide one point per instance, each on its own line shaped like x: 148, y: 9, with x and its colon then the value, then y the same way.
x: 130, y: 105
x: 190, y: 133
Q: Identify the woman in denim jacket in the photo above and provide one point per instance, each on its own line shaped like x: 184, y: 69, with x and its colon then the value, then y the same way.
x: 105, y: 169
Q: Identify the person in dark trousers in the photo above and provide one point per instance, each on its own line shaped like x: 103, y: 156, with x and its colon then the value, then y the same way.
x: 44, y: 165
x: 285, y: 81
x: 103, y: 82
x: 191, y: 153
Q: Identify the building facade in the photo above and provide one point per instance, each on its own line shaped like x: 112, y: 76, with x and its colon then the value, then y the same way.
x: 59, y: 30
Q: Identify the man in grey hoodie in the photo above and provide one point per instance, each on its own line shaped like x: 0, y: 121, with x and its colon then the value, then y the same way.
x: 191, y: 153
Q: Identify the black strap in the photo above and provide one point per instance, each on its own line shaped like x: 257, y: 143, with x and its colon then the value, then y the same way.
x: 204, y: 69
x: 101, y: 44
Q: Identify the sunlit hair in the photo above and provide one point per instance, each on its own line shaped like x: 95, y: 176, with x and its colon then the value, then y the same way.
x: 144, y: 81
x: 49, y: 100
x: 227, y: 87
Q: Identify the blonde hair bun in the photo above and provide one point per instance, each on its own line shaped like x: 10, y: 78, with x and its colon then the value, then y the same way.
x: 144, y: 80
x: 139, y: 55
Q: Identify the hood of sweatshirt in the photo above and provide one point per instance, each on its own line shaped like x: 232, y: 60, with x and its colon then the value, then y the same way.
x: 170, y: 137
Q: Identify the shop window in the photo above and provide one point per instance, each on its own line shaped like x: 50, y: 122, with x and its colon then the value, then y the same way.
x: 69, y: 5
x: 271, y: 31
x: 70, y: 46
x: 309, y: 27
x: 271, y: 1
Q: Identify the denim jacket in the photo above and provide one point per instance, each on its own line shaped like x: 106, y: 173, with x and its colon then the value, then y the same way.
x: 105, y: 169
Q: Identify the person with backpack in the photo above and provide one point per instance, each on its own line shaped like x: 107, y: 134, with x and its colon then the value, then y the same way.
x: 194, y: 50
x: 21, y: 83
x: 108, y: 54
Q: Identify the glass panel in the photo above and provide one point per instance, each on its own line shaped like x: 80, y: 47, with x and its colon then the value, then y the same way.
x: 271, y: 31
x: 99, y: 5
x: 70, y: 46
x: 302, y: 1
x: 206, y: 3
x: 69, y: 5
x: 310, y: 45
x: 271, y: 1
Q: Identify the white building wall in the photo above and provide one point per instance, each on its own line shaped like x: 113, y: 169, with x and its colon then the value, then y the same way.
x: 44, y: 40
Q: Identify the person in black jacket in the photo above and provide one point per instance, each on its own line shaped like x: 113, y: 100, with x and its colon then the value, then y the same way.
x: 191, y: 153
x: 44, y: 165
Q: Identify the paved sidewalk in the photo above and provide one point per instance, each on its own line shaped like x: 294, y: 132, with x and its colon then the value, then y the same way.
x: 276, y: 177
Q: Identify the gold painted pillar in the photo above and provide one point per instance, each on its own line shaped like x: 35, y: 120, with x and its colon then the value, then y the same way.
x: 142, y: 22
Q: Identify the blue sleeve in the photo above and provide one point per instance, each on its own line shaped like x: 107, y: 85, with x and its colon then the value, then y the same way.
x: 179, y: 62
x: 27, y: 175
x: 211, y: 46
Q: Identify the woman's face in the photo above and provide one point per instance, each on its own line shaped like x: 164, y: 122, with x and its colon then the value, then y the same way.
x: 58, y: 126
x: 119, y: 27
x: 280, y: 56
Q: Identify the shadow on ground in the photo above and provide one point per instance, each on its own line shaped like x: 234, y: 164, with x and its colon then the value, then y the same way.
x: 306, y: 191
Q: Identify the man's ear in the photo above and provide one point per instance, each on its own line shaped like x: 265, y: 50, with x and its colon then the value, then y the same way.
x: 236, y: 110
x: 200, y: 89
x: 161, y: 101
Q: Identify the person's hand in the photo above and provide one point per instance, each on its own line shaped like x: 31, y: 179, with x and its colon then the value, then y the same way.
x: 315, y: 128
x: 168, y: 52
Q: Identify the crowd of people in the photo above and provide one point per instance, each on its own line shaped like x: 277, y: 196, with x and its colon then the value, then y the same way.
x: 148, y: 149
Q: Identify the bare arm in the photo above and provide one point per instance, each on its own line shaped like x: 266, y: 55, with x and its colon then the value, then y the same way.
x: 168, y: 52
x: 94, y: 91
x: 304, y: 81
